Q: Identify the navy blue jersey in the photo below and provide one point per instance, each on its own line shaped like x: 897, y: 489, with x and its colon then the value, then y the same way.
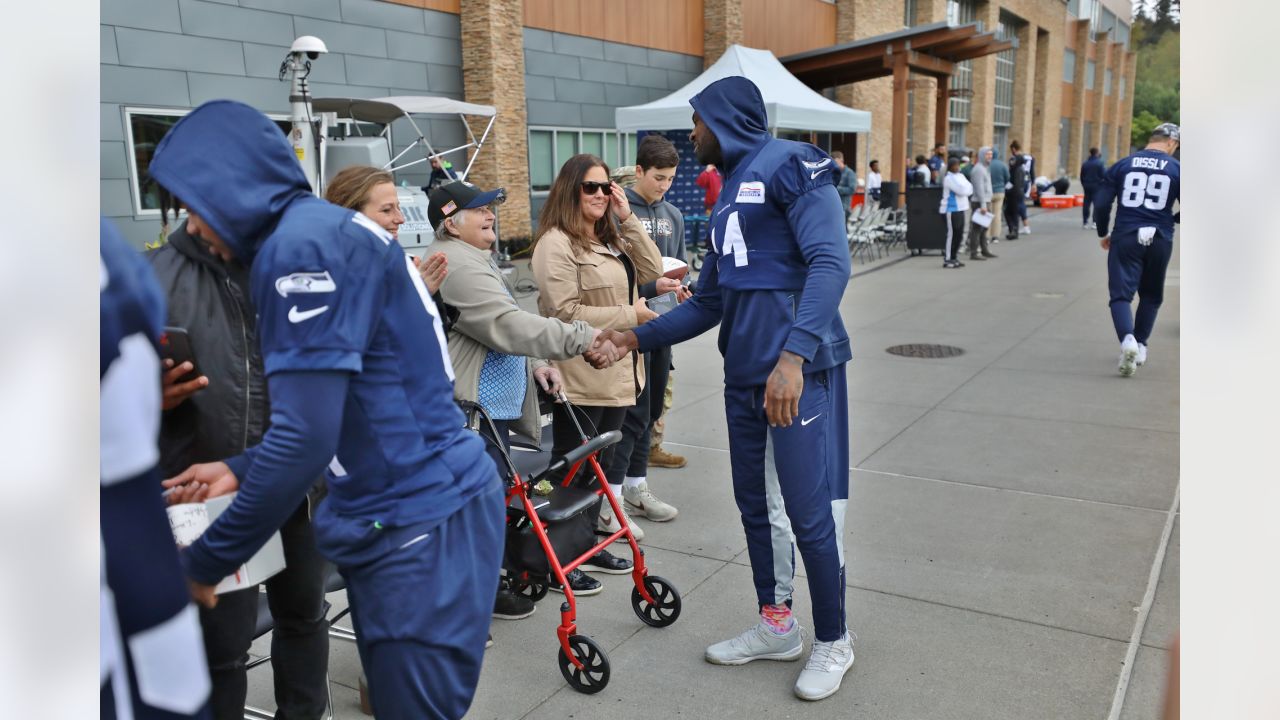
x: 1144, y: 187
x: 334, y: 293
x: 151, y: 652
x: 779, y: 259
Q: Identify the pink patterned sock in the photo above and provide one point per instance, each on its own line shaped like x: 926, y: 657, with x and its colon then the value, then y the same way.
x: 777, y: 618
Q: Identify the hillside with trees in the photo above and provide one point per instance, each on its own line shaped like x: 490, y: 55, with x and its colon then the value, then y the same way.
x: 1157, y: 40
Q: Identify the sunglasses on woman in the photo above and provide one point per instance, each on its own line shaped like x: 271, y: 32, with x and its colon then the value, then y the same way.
x: 591, y: 188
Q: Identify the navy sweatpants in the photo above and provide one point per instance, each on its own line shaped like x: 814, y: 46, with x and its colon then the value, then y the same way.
x: 791, y: 485
x: 1134, y: 267
x: 421, y: 606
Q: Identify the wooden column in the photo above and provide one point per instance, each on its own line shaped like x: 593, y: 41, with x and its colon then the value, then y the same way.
x: 942, y: 111
x: 899, y: 132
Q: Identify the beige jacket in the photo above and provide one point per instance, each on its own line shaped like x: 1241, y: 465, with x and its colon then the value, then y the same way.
x: 592, y: 286
x: 490, y: 319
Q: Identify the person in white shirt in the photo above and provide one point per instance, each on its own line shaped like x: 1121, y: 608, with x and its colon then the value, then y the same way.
x: 874, y: 181
x: 956, y: 190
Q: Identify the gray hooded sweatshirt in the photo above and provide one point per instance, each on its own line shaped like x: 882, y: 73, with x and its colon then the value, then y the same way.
x: 665, y: 224
x: 980, y: 176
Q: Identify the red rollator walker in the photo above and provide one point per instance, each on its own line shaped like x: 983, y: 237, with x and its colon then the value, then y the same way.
x: 543, y: 530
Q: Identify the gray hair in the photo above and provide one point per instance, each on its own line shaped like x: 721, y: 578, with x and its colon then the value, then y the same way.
x: 442, y: 233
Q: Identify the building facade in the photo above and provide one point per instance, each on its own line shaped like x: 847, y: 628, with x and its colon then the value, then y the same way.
x: 557, y: 69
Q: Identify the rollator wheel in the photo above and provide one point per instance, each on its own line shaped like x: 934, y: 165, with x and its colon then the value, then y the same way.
x: 533, y: 590
x: 666, y: 609
x: 594, y: 675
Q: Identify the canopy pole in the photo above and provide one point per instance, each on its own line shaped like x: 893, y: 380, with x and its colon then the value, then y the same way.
x: 484, y: 136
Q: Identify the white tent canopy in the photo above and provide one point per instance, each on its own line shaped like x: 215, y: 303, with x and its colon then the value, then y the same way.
x: 790, y: 104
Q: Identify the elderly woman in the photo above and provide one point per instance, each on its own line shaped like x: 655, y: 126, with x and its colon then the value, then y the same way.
x: 499, y: 352
x: 372, y: 192
x: 589, y: 267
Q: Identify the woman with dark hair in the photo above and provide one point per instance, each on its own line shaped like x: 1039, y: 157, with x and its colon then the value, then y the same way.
x: 590, y: 256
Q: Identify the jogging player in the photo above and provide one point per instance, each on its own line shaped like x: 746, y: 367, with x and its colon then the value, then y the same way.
x: 1138, y: 249
x: 361, y: 388
x: 773, y: 279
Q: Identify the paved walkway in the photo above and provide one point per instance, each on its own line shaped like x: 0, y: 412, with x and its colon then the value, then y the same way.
x: 1004, y: 531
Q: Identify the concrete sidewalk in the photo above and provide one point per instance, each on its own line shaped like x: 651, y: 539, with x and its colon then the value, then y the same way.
x: 1006, y: 513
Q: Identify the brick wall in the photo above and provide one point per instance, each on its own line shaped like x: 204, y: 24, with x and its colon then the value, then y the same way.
x: 181, y: 53
x: 721, y: 27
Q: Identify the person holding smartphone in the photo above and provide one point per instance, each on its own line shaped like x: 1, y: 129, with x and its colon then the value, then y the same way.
x: 591, y: 256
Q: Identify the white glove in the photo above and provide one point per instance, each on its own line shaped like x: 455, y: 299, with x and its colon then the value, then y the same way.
x: 1146, y: 235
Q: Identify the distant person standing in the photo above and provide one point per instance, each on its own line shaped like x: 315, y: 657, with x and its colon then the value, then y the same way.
x: 966, y: 167
x: 874, y: 181
x: 441, y: 173
x: 955, y: 196
x: 920, y: 174
x: 1147, y: 185
x: 980, y: 202
x: 999, y: 183
x: 937, y: 164
x: 711, y: 182
x: 1092, y: 174
x: 846, y: 183
x: 1027, y: 177
x: 1015, y: 206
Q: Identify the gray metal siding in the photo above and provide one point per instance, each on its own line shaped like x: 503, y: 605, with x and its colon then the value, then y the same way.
x: 180, y: 53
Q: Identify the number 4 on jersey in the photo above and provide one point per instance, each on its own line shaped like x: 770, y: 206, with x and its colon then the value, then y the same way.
x: 1143, y: 190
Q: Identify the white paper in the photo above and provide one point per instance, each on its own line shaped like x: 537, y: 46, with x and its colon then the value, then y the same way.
x: 982, y: 218
x: 674, y: 268
x: 189, y: 521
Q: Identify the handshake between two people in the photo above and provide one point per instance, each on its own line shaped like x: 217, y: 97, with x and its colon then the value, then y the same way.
x: 609, y: 347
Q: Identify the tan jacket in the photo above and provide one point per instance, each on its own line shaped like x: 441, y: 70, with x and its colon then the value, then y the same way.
x: 490, y: 319
x: 592, y: 286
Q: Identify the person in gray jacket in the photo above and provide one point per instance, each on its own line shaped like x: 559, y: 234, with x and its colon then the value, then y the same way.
x: 999, y: 183
x: 980, y: 202
x: 656, y: 162
x: 499, y: 352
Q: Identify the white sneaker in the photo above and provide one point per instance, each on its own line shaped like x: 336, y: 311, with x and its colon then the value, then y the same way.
x: 827, y: 665
x: 608, y: 524
x: 1128, y: 355
x: 757, y: 643
x: 1026, y: 230
x: 1142, y: 355
x: 641, y: 501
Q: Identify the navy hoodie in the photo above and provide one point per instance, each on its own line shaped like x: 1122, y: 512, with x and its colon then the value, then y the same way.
x: 1093, y: 172
x: 779, y: 259
x: 343, y: 321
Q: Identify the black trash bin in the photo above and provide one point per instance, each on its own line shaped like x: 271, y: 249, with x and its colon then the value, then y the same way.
x: 926, y: 227
x: 889, y: 194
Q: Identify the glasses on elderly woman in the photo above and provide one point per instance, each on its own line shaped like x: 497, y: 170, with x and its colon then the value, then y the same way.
x: 591, y: 188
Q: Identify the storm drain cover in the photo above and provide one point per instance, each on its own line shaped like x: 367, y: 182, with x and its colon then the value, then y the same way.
x: 923, y: 350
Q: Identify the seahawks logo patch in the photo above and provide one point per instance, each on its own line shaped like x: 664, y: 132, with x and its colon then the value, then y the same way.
x: 815, y: 165
x: 305, y: 282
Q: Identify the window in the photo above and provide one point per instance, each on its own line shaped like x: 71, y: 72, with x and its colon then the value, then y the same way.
x: 1106, y: 82
x: 956, y: 134
x: 1088, y: 141
x: 1121, y: 34
x: 144, y: 129
x: 1106, y: 24
x: 1064, y: 140
x: 549, y: 148
x: 909, y: 13
x: 1090, y: 71
x: 1106, y: 142
x: 1122, y: 79
x: 1003, y: 115
x: 1000, y: 141
x: 961, y: 12
x: 1073, y: 7
x: 1069, y: 66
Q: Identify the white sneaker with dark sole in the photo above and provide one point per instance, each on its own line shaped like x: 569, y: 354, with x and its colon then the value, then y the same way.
x: 823, y: 673
x: 757, y: 643
x: 1142, y: 355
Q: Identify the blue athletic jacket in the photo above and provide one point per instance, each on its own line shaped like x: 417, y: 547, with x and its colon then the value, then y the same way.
x: 1146, y: 185
x: 778, y: 260
x: 357, y: 365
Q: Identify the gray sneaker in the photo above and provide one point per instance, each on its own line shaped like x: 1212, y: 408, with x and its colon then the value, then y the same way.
x: 827, y: 665
x: 641, y: 501
x: 757, y: 643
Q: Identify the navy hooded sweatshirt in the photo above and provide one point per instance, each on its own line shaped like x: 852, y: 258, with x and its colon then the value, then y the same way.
x: 356, y: 362
x: 779, y: 258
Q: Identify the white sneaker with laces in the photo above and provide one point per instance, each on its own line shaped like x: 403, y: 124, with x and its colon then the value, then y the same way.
x: 609, y: 524
x: 641, y: 501
x: 827, y: 665
x: 757, y: 643
x: 1142, y: 355
x: 1128, y: 356
x: 1026, y: 230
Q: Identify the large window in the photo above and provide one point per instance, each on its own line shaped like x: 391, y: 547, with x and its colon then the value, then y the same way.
x: 960, y: 12
x: 1121, y: 34
x: 144, y: 129
x: 1090, y: 72
x: 1069, y: 66
x: 1105, y: 24
x: 1106, y: 142
x: 909, y: 13
x: 956, y: 134
x: 1122, y: 79
x: 1073, y: 7
x: 1106, y: 82
x: 550, y: 148
x: 1064, y: 141
x: 1088, y: 141
x: 1003, y: 115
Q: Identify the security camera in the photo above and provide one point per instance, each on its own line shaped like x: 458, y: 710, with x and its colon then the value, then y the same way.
x: 309, y: 44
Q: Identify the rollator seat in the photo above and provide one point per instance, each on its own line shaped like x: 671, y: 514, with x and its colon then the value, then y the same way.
x: 564, y: 503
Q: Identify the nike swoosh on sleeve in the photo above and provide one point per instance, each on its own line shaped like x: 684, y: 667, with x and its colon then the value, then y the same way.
x: 815, y: 174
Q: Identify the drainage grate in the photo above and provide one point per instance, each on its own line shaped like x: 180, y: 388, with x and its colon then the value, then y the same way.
x: 922, y: 350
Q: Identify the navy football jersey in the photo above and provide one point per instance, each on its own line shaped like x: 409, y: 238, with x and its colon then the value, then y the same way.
x: 1144, y: 188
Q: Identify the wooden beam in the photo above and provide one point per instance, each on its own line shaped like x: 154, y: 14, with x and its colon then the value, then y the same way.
x: 898, y: 134
x: 941, y: 111
x: 962, y: 48
x: 921, y: 62
x: 926, y: 40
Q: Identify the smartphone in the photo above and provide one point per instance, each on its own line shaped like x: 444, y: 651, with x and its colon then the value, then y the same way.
x: 664, y: 303
x: 175, y: 345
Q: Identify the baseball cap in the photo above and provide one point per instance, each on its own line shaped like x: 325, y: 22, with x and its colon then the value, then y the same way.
x: 1168, y: 130
x: 446, y: 200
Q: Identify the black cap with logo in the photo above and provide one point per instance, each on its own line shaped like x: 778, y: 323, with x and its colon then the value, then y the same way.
x: 446, y: 200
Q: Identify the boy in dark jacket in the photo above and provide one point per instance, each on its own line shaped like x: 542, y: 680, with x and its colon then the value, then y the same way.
x: 1092, y: 174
